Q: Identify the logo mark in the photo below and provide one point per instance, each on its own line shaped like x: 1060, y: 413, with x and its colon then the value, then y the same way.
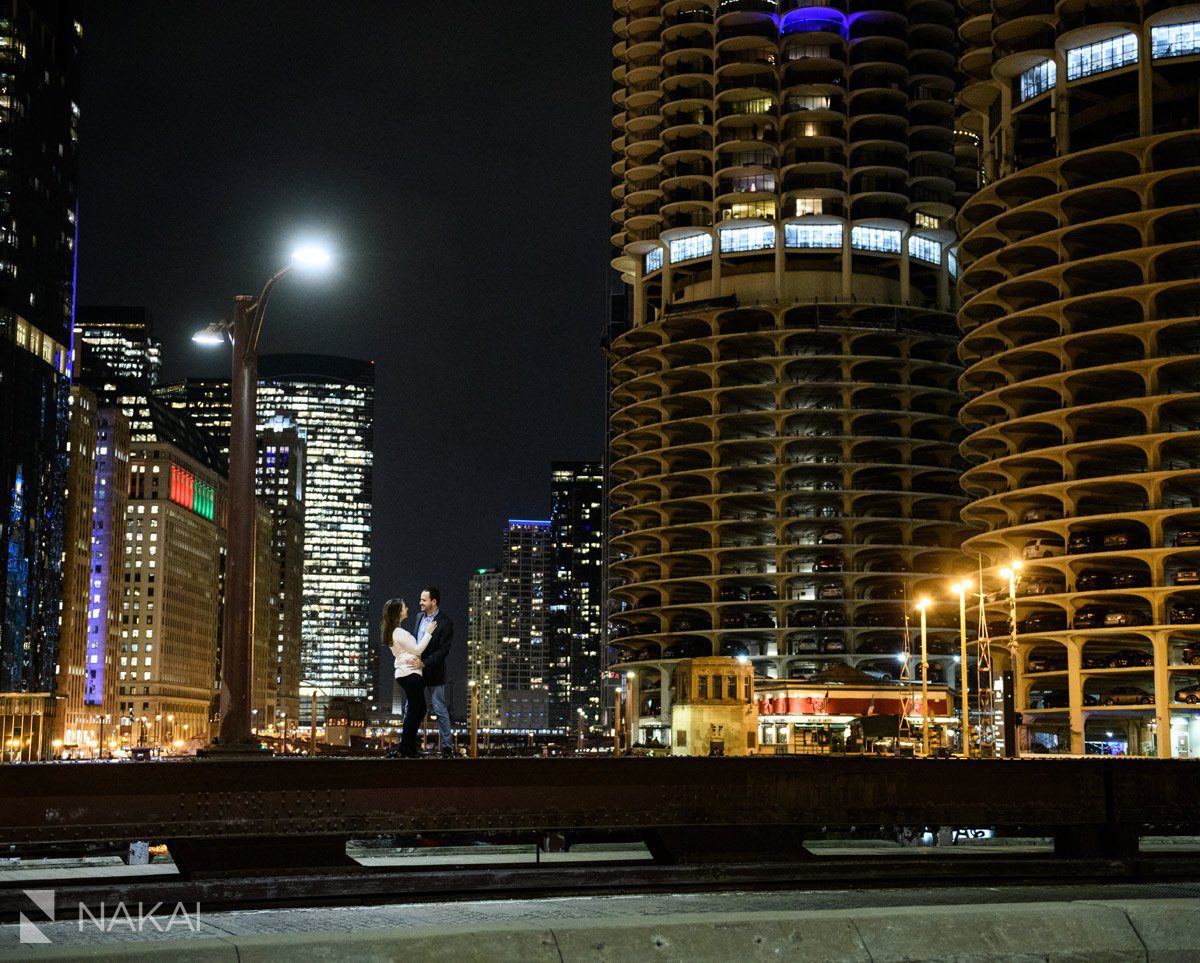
x: 43, y: 899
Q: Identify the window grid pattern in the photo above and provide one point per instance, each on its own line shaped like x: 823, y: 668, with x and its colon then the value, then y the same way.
x: 924, y: 249
x: 654, y: 260
x: 813, y: 235
x: 758, y: 238
x: 1038, y: 79
x: 1175, y: 40
x: 691, y: 247
x: 880, y: 239
x: 1102, y: 56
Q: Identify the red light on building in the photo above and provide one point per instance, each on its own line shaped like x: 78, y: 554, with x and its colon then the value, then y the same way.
x: 183, y: 487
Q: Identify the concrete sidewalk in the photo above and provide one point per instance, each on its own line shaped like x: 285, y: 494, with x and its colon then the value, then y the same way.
x: 1026, y: 923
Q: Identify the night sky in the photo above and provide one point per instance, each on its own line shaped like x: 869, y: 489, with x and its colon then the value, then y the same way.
x: 457, y: 155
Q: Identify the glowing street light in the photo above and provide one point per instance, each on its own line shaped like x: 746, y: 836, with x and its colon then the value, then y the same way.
x: 922, y: 604
x: 961, y: 589
x: 243, y: 333
x: 1012, y: 572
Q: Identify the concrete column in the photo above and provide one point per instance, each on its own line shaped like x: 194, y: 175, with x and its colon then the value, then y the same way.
x: 639, y: 293
x: 664, y: 687
x: 1075, y: 693
x: 1062, y: 104
x: 1145, y: 84
x: 633, y: 708
x: 905, y: 270
x: 1162, y: 696
x: 847, y: 263
x: 943, y: 287
x: 718, y: 286
x: 780, y: 261
x: 667, y: 281
x: 1006, y: 144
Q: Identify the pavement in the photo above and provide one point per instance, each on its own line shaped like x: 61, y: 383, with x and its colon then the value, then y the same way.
x: 1092, y: 922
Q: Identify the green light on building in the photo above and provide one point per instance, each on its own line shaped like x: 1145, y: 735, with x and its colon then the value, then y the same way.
x: 203, y: 500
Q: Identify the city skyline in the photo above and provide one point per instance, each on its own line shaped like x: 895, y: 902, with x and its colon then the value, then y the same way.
x: 419, y: 285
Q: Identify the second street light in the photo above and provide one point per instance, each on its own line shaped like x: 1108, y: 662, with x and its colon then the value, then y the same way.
x: 922, y: 605
x: 243, y: 332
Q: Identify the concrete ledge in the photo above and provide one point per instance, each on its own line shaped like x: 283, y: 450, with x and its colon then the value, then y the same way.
x: 1096, y: 931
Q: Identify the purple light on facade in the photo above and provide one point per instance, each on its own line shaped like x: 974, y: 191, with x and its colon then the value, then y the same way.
x: 813, y: 20
x: 98, y: 577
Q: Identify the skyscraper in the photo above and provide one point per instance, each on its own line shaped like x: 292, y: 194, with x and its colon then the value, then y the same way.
x: 575, y: 618
x: 524, y: 697
x: 330, y: 402
x: 783, y: 456
x: 280, y: 488
x: 117, y: 343
x: 207, y: 402
x: 1080, y: 313
x: 39, y: 114
x: 485, y: 641
x: 72, y: 669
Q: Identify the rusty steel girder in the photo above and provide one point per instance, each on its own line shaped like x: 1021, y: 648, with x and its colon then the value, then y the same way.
x: 680, y: 801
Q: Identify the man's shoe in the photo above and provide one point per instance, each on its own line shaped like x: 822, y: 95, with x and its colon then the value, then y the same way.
x: 449, y: 754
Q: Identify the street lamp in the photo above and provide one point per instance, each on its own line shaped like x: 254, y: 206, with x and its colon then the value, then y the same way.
x: 473, y: 688
x: 961, y: 589
x: 243, y: 332
x: 579, y: 714
x: 922, y: 604
x: 1011, y: 572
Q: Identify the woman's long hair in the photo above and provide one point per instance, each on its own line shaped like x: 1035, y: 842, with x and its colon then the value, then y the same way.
x: 391, y: 618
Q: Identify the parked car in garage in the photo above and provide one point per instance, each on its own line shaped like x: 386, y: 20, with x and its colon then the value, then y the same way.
x: 1189, y: 694
x: 735, y: 649
x: 1187, y: 576
x: 762, y: 592
x: 828, y: 563
x: 1134, y: 578
x: 1083, y: 542
x: 1185, y: 613
x: 804, y: 618
x: 1049, y: 662
x: 831, y: 590
x: 1126, y: 695
x: 831, y: 536
x: 1039, y: 515
x: 1130, y: 658
x: 1041, y: 585
x: 1089, y: 617
x: 1188, y: 537
x: 760, y: 620
x: 733, y: 620
x: 1093, y: 580
x: 1115, y: 618
x: 832, y: 644
x: 731, y: 593
x: 1123, y: 540
x: 1046, y: 547
x: 1053, y: 621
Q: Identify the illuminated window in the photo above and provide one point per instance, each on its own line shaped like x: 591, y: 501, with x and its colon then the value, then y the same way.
x: 654, y: 260
x: 1037, y: 79
x: 928, y: 220
x: 757, y: 105
x: 747, y: 239
x: 880, y: 239
x: 1096, y: 58
x: 1175, y: 40
x: 690, y: 247
x: 808, y: 102
x: 952, y: 260
x: 745, y: 210
x: 924, y: 249
x: 808, y: 205
x: 812, y: 235
x: 751, y: 183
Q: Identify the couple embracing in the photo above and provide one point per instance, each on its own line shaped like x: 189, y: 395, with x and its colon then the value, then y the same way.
x: 420, y: 666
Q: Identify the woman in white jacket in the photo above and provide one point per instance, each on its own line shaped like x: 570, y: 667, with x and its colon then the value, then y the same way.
x: 407, y: 652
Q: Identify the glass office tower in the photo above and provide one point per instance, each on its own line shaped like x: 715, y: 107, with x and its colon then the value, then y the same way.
x: 330, y: 402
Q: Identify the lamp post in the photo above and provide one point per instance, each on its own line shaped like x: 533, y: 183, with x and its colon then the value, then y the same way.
x: 961, y: 589
x: 474, y: 690
x: 315, y: 690
x: 1011, y: 572
x: 922, y: 605
x: 579, y: 715
x: 243, y: 332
